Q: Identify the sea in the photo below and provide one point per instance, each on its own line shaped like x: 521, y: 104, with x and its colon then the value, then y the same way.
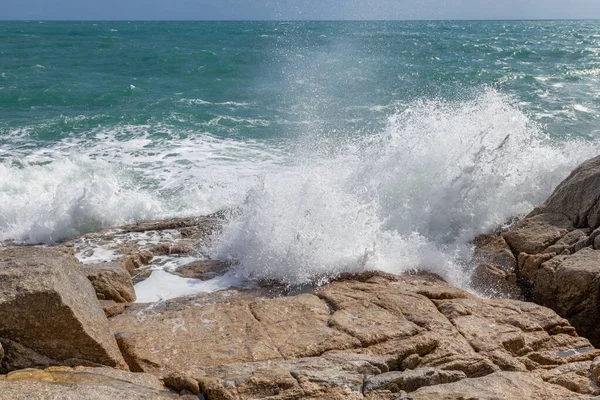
x: 341, y: 146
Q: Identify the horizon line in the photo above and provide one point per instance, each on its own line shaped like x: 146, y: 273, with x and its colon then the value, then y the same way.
x: 305, y: 20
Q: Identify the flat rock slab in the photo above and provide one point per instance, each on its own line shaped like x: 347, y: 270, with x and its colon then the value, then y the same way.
x: 81, y: 383
x: 500, y: 385
x: 48, y: 305
x: 390, y: 334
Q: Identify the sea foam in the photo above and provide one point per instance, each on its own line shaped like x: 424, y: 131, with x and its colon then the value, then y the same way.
x: 410, y: 197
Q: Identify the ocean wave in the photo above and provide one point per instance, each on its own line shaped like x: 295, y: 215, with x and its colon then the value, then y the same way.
x: 412, y: 196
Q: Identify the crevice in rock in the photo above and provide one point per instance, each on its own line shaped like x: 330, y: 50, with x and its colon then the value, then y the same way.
x: 328, y: 305
x: 134, y: 363
x: 253, y: 313
x: 297, y: 379
x: 455, y: 327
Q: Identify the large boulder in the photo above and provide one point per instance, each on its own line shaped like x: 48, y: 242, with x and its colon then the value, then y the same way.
x: 558, y: 250
x: 577, y: 197
x: 368, y: 336
x: 48, y: 305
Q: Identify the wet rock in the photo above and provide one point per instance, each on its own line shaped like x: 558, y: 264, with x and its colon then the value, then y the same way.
x: 49, y: 306
x: 492, y: 281
x: 166, y: 249
x: 111, y: 282
x: 133, y: 262
x: 203, y: 269
x: 493, y: 250
x: 81, y: 383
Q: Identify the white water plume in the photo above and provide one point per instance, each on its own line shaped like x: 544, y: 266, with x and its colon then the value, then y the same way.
x: 412, y: 196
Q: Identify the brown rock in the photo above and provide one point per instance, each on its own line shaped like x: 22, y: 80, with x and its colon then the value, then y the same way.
x: 81, y: 383
x: 111, y: 282
x: 533, y: 235
x: 577, y: 196
x: 529, y: 264
x: 299, y: 326
x: 409, y: 381
x: 571, y: 286
x: 181, y: 383
x: 349, y: 339
x: 18, y: 357
x: 504, y: 385
x: 493, y: 250
x: 133, y: 262
x: 567, y: 241
x: 49, y: 306
x: 167, y: 249
x: 491, y: 281
x: 112, y: 308
x: 203, y: 270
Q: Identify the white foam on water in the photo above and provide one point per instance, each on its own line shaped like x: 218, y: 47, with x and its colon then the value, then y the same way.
x: 162, y: 285
x: 412, y: 196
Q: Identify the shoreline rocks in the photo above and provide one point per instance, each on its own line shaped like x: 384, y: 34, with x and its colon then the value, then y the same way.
x: 362, y: 336
x: 47, y: 305
x: 557, y: 247
x: 367, y: 336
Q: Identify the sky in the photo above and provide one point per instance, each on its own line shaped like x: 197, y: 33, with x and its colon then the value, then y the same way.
x: 296, y: 9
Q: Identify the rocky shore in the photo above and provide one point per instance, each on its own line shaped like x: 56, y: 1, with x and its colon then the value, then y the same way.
x: 70, y: 327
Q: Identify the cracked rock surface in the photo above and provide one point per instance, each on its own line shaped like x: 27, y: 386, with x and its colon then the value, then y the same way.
x: 372, y: 335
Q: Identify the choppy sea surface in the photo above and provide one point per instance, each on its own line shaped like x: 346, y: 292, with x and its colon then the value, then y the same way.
x: 346, y: 145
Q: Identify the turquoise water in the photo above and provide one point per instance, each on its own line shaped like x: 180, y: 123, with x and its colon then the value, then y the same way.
x: 347, y: 144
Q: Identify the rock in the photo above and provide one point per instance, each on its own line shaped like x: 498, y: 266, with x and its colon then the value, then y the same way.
x: 577, y: 197
x: 493, y: 250
x: 567, y: 241
x: 203, y: 269
x: 49, y: 306
x: 530, y: 264
x: 349, y: 339
x: 111, y: 282
x: 1, y: 352
x: 135, y: 261
x: 181, y: 383
x: 571, y: 286
x: 409, y: 381
x: 500, y: 385
x: 166, y: 249
x: 533, y: 235
x: 112, y: 308
x: 495, y: 272
x: 18, y: 357
x: 81, y: 383
x: 492, y: 281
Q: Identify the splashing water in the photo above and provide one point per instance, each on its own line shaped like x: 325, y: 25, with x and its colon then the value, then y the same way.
x: 413, y: 196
